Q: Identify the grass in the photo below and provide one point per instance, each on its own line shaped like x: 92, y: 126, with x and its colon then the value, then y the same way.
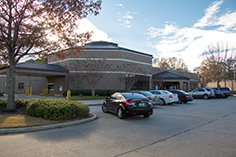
x: 16, y: 120
x: 87, y: 97
x: 21, y: 120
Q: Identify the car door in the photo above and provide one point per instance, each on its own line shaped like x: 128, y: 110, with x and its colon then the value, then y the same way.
x: 195, y: 93
x: 111, y: 102
x: 201, y: 92
x: 117, y: 98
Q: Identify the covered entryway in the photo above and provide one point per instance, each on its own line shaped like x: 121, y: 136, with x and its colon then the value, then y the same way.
x: 167, y: 80
x: 38, y: 77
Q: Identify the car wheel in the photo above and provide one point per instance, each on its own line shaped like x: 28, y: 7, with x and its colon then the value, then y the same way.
x: 180, y: 101
x: 146, y: 115
x: 121, y: 113
x: 162, y: 102
x: 104, y: 108
x: 205, y: 96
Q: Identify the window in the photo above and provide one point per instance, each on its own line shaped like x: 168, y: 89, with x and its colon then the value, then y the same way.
x: 21, y: 85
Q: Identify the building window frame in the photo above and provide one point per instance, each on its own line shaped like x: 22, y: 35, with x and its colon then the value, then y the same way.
x: 21, y: 85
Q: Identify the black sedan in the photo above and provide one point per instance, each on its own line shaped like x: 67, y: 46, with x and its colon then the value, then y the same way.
x: 124, y: 104
x: 183, y: 96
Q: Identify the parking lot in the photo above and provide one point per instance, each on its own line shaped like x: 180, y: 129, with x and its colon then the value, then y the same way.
x: 196, y: 129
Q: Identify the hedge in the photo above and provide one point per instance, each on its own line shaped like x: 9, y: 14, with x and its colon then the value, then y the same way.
x: 52, y: 109
x: 87, y: 92
x: 57, y: 109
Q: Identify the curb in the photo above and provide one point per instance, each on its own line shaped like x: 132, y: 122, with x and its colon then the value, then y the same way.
x: 46, y: 127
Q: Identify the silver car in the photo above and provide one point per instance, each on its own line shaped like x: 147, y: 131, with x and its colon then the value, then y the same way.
x: 202, y: 93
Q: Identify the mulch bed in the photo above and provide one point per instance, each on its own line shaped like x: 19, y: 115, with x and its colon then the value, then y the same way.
x: 19, y: 111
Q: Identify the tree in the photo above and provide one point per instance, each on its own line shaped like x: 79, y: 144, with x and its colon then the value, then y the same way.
x: 75, y: 76
x: 217, y: 65
x: 25, y: 26
x: 131, y: 74
x: 94, y: 68
x: 202, y: 80
x: 172, y: 63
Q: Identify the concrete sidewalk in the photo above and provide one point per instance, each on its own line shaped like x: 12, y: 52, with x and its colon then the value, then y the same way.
x: 92, y: 102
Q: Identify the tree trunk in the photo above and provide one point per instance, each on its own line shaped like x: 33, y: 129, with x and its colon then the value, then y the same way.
x: 11, y: 87
x: 93, y: 90
x: 218, y: 84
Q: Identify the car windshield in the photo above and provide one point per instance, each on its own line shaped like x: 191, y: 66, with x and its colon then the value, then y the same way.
x: 147, y: 93
x: 166, y: 92
x: 133, y: 96
x: 179, y: 91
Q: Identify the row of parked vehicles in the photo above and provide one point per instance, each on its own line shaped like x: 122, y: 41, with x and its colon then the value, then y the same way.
x: 141, y: 102
x: 206, y: 93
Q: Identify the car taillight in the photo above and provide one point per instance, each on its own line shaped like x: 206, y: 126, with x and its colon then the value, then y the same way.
x: 150, y: 98
x: 129, y: 103
x: 187, y: 95
x: 150, y: 102
x: 170, y: 96
x: 210, y: 92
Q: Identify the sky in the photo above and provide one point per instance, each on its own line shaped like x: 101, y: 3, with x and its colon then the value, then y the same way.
x: 165, y: 28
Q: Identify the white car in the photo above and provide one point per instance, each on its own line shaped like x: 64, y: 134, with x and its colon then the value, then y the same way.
x: 166, y: 96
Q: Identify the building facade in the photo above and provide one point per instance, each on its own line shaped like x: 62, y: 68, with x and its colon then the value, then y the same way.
x: 102, y: 64
x: 114, y: 63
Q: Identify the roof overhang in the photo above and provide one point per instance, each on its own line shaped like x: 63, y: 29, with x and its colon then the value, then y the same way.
x: 165, y: 75
x: 39, y: 70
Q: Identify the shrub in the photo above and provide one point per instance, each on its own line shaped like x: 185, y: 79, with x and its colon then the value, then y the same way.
x: 56, y: 109
x: 87, y: 92
x: 3, y: 104
x: 1, y: 94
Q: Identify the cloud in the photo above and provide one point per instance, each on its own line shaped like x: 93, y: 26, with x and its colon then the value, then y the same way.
x: 209, y: 18
x: 120, y: 5
x: 85, y: 25
x: 189, y: 43
x: 128, y: 17
x: 125, y: 17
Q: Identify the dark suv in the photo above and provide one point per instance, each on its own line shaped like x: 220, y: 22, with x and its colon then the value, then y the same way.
x: 226, y: 91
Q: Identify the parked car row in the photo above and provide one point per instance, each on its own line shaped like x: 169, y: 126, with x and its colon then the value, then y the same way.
x: 141, y: 102
x: 207, y: 93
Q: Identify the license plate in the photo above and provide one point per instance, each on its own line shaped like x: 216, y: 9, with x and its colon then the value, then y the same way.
x: 141, y: 104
